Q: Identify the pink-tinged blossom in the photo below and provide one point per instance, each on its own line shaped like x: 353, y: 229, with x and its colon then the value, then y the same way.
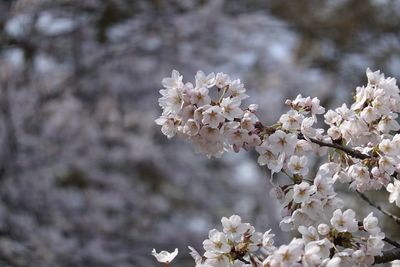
x: 281, y: 142
x: 213, y: 117
x: 200, y: 97
x: 291, y: 120
x: 231, y: 108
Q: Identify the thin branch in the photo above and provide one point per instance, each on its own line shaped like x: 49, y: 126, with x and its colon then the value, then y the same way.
x: 392, y: 242
x: 243, y: 260
x: 352, y: 152
x: 366, y: 199
x: 10, y: 150
x: 388, y: 256
x: 253, y: 262
x: 386, y: 239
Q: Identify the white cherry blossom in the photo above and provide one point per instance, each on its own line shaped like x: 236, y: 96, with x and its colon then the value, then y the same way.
x: 309, y: 234
x: 231, y: 108
x: 164, y: 256
x: 370, y: 224
x: 175, y: 81
x: 214, y: 259
x: 217, y: 242
x: 301, y: 192
x: 298, y: 165
x: 200, y: 97
x: 204, y: 81
x: 213, y: 117
x: 291, y: 120
x: 233, y: 226
x: 222, y: 80
x: 323, y: 229
x: 281, y: 142
x: 394, y: 190
x: 344, y: 222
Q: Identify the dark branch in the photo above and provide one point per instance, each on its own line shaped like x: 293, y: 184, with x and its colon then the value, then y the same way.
x: 349, y: 151
x: 243, y: 260
x: 392, y: 242
x: 366, y: 199
x: 388, y: 256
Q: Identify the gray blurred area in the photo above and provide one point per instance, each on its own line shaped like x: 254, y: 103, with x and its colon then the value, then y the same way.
x: 86, y: 177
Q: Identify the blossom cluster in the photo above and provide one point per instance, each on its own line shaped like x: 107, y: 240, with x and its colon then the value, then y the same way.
x: 315, y: 211
x: 370, y: 126
x: 285, y: 145
x: 237, y: 245
x: 209, y: 113
x: 366, y: 157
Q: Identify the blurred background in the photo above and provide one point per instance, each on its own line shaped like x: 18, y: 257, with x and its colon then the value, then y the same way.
x: 86, y: 177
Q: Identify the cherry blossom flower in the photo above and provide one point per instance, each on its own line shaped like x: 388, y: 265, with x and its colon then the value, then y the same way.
x: 291, y: 120
x: 217, y: 242
x: 215, y: 259
x: 281, y: 142
x: 268, y: 242
x: 175, y: 81
x: 344, y: 222
x: 231, y: 108
x: 298, y: 165
x: 375, y: 244
x: 308, y: 233
x: 198, y: 259
x: 233, y: 226
x: 164, y: 256
x: 323, y: 229
x: 370, y: 224
x: 394, y: 190
x: 204, y: 81
x: 222, y: 80
x: 286, y: 255
x: 213, y: 116
x: 301, y: 192
x: 200, y: 97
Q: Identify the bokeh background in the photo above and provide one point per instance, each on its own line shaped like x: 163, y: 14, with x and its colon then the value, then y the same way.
x: 86, y: 177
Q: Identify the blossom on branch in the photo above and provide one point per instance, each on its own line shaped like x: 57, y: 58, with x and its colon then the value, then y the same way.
x: 363, y: 147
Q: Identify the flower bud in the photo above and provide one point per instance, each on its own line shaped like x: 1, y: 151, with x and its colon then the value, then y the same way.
x: 323, y: 229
